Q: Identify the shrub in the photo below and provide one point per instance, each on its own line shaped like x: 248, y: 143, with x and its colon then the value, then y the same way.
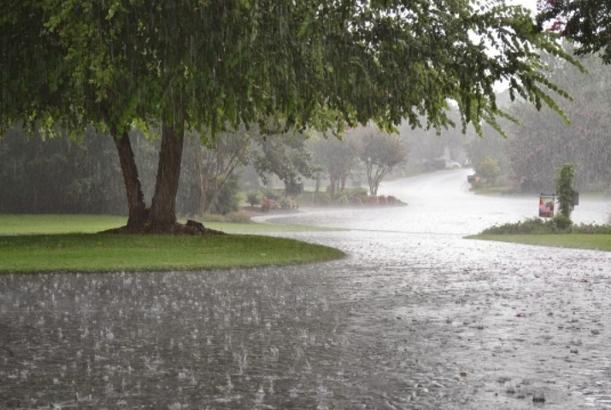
x: 213, y: 218
x: 356, y: 200
x: 287, y: 203
x: 489, y: 169
x: 284, y: 203
x: 271, y: 195
x: 562, y: 222
x: 564, y: 189
x: 357, y: 192
x: 343, y: 200
x: 394, y: 200
x: 531, y: 225
x: 268, y: 204
x: 238, y: 217
x: 559, y: 224
x: 591, y: 228
x: 253, y: 199
x: 322, y: 198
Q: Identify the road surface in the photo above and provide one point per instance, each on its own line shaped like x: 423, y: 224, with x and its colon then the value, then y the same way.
x: 415, y: 318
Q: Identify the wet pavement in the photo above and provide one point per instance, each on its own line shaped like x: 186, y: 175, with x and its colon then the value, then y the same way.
x: 415, y: 318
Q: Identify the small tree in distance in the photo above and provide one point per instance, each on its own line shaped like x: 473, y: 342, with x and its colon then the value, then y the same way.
x: 564, y: 189
x: 380, y: 152
x: 337, y: 158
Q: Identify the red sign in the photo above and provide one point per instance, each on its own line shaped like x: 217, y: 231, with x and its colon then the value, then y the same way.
x: 546, y: 205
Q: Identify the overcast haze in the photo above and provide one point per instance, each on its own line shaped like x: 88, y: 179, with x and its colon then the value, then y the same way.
x: 531, y: 4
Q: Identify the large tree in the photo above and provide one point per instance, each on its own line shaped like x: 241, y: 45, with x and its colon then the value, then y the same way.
x: 188, y: 64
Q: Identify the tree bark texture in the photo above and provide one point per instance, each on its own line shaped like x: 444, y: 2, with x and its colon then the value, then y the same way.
x: 332, y: 184
x: 135, y: 198
x: 163, y: 209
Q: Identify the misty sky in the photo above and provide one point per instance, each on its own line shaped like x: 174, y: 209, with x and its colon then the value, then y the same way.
x: 531, y: 4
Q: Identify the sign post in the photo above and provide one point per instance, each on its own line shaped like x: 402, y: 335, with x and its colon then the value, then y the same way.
x: 546, y: 205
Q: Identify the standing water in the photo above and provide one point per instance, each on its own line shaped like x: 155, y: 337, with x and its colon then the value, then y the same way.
x: 415, y: 317
x: 441, y: 203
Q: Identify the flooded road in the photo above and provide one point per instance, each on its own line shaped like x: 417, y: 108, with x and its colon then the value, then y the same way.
x: 415, y: 318
x: 441, y: 202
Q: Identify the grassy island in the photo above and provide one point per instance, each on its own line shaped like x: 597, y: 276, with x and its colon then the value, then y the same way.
x: 48, y: 243
x: 601, y: 242
x: 557, y: 232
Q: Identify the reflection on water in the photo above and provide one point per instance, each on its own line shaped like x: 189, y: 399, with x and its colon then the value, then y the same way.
x: 408, y: 320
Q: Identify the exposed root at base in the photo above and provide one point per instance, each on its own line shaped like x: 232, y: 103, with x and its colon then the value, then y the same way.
x: 190, y: 228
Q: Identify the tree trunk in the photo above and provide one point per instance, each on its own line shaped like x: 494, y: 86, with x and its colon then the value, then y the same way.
x: 135, y: 199
x: 204, y: 187
x: 163, y: 209
x: 332, y: 185
x: 200, y: 186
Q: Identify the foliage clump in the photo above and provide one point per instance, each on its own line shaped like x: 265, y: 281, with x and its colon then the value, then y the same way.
x: 253, y: 199
x: 489, y: 169
x: 380, y: 153
x: 564, y: 190
x: 558, y: 224
x: 562, y: 222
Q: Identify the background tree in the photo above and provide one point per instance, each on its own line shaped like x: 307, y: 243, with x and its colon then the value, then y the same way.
x: 284, y: 155
x: 59, y: 175
x: 337, y: 157
x: 253, y: 199
x: 478, y: 149
x: 489, y: 169
x: 541, y: 144
x: 216, y: 166
x: 587, y: 22
x: 564, y: 189
x: 380, y: 153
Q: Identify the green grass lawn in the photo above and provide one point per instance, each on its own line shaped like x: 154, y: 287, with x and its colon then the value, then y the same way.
x: 600, y: 242
x: 55, y: 224
x: 44, y: 243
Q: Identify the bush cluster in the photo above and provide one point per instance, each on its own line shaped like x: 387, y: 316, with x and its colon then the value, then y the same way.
x: 347, y: 197
x: 237, y: 217
x: 558, y: 224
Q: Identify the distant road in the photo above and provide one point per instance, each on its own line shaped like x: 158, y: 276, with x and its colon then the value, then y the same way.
x: 441, y: 203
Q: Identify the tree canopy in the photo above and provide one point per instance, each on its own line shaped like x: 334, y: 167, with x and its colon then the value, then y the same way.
x: 229, y: 62
x: 380, y: 153
x: 588, y: 22
x: 219, y: 64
